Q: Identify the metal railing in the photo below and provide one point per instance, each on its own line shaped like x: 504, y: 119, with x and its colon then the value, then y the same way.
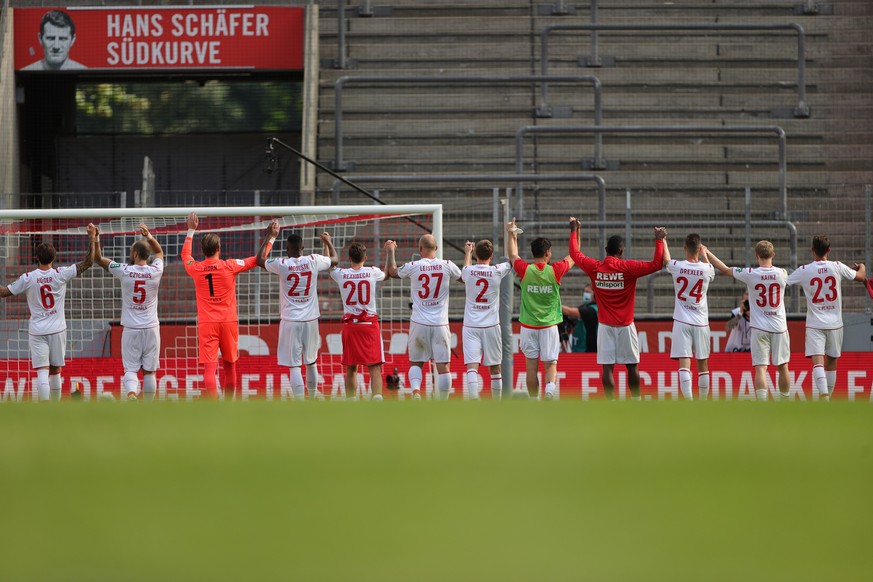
x: 689, y: 129
x: 490, y: 178
x: 543, y: 110
x: 801, y: 110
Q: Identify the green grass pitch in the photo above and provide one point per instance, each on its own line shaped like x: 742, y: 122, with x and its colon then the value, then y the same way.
x: 436, y: 491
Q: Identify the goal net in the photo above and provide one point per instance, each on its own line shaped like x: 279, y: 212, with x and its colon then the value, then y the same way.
x: 93, y: 304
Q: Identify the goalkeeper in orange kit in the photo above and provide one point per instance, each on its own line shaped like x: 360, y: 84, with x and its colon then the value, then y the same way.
x: 215, y: 288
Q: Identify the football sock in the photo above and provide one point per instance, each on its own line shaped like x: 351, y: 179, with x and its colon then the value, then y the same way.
x: 444, y: 383
x: 130, y: 381
x: 297, y: 383
x: 703, y: 385
x: 312, y: 380
x: 149, y: 386
x: 229, y: 379
x: 685, y: 383
x: 55, y: 387
x: 414, y: 377
x: 473, y: 384
x: 209, y: 372
x: 42, y: 384
x: 761, y: 394
x: 550, y: 389
x: 819, y: 379
x: 831, y: 375
x: 496, y: 387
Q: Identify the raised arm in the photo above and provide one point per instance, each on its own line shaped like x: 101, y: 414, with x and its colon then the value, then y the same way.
x: 861, y: 274
x: 571, y: 312
x: 329, y: 249
x: 93, y: 241
x: 663, y: 231
x: 390, y: 262
x: 155, y: 246
x: 187, y: 258
x: 469, y: 247
x: 511, y: 241
x: 716, y: 262
x: 270, y: 235
x: 99, y: 258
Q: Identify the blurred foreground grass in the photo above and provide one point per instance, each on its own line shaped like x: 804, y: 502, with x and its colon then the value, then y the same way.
x: 436, y: 491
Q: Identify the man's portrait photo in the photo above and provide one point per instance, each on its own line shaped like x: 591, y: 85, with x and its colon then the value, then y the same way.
x: 57, y: 34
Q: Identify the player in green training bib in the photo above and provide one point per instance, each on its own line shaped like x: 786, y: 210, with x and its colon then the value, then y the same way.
x: 540, y: 309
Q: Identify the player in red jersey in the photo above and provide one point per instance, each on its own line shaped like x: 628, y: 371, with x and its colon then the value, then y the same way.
x: 215, y: 289
x: 615, y: 286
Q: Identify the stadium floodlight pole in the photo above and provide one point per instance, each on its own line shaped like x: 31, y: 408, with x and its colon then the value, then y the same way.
x: 271, y: 161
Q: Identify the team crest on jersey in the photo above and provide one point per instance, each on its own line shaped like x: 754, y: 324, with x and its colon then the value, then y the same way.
x: 114, y: 265
x: 739, y: 269
x: 271, y: 260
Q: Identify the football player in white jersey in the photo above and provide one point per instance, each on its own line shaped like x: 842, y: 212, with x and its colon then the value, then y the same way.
x: 362, y: 337
x: 820, y: 281
x: 141, y: 338
x: 46, y: 288
x: 429, y: 336
x: 770, y: 341
x: 691, y: 279
x: 482, y: 339
x: 298, y: 329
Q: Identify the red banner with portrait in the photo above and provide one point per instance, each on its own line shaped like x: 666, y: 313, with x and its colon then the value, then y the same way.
x: 155, y: 38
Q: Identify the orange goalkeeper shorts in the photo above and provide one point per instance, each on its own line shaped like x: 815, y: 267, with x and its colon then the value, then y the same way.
x: 218, y: 334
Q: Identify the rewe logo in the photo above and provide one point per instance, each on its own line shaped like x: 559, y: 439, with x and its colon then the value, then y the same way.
x: 540, y: 289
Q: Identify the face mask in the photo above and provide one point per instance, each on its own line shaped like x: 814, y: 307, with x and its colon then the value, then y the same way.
x: 587, y: 297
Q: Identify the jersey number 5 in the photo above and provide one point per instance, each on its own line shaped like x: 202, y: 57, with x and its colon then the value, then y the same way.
x: 425, y: 280
x: 139, y: 292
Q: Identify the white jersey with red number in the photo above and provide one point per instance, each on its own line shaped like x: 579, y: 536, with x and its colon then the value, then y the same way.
x: 46, y: 292
x: 821, y: 284
x: 691, y: 281
x: 139, y: 293
x: 358, y: 289
x: 766, y: 286
x: 483, y: 293
x: 429, y: 289
x: 297, y: 285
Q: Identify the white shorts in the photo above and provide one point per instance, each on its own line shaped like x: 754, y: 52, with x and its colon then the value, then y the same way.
x: 140, y: 348
x: 479, y: 340
x: 541, y: 343
x: 824, y: 342
x: 298, y: 343
x: 617, y: 345
x: 690, y: 341
x: 768, y: 347
x: 429, y: 342
x: 48, y: 350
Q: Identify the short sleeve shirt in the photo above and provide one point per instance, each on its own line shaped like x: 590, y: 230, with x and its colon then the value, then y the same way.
x: 429, y: 289
x: 358, y: 289
x: 482, y: 282
x: 691, y: 282
x: 821, y: 283
x: 297, y: 284
x: 766, y: 286
x: 139, y: 292
x: 46, y: 293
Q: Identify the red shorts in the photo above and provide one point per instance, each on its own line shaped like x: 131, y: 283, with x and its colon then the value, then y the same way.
x: 218, y: 334
x: 362, y: 343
